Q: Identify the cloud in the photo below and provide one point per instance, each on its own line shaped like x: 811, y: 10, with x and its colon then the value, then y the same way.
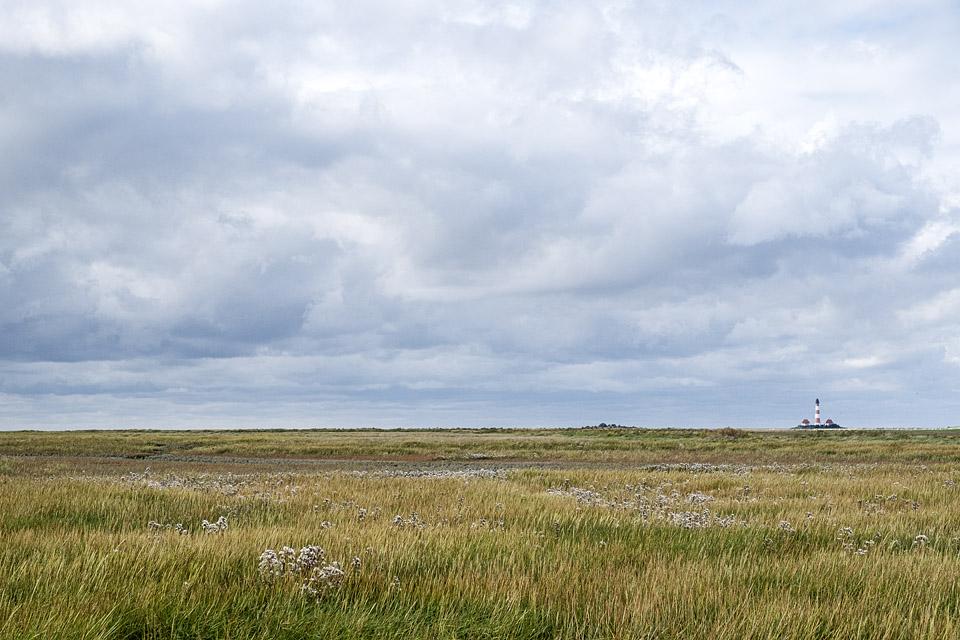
x: 863, y: 177
x: 476, y: 213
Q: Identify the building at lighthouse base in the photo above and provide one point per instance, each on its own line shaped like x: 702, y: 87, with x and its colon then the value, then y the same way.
x: 829, y: 424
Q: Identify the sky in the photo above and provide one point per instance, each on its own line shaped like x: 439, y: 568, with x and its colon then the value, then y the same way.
x: 469, y: 213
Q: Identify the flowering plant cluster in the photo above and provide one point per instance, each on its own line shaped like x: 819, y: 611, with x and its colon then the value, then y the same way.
x: 653, y: 505
x: 178, y: 528
x: 219, y: 526
x: 413, y: 522
x: 310, y: 566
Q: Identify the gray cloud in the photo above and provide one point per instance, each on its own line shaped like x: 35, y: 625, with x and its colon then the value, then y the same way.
x: 475, y: 213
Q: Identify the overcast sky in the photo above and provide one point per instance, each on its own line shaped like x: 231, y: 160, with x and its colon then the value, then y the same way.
x: 477, y: 213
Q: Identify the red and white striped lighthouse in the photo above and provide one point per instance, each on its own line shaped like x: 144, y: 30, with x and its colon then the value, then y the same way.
x: 816, y: 412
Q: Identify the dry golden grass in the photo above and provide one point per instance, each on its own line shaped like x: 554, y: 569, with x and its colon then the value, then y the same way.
x: 805, y: 550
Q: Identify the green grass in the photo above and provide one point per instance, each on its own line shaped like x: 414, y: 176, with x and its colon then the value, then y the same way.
x: 511, y: 555
x: 544, y: 445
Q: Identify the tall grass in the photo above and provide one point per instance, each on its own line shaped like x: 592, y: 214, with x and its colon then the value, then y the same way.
x: 573, y: 552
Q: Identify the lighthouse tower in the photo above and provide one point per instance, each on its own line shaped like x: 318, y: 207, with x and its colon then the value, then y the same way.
x: 817, y: 424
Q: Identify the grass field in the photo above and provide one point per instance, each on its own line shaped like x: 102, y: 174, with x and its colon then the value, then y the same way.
x: 472, y: 534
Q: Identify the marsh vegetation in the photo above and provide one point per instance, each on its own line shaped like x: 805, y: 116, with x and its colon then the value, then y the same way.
x: 583, y: 534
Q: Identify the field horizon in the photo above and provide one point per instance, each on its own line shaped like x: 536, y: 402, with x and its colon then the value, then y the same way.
x: 534, y: 445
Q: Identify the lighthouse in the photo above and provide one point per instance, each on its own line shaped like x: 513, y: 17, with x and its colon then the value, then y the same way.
x: 817, y: 424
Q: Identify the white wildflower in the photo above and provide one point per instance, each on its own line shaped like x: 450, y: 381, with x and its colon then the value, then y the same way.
x: 288, y: 559
x: 699, y: 519
x: 323, y: 580
x: 270, y: 565
x: 219, y: 526
x: 310, y: 557
x: 153, y: 525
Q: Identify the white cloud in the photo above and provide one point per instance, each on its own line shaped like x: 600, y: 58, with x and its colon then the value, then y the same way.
x: 473, y: 212
x: 944, y: 306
